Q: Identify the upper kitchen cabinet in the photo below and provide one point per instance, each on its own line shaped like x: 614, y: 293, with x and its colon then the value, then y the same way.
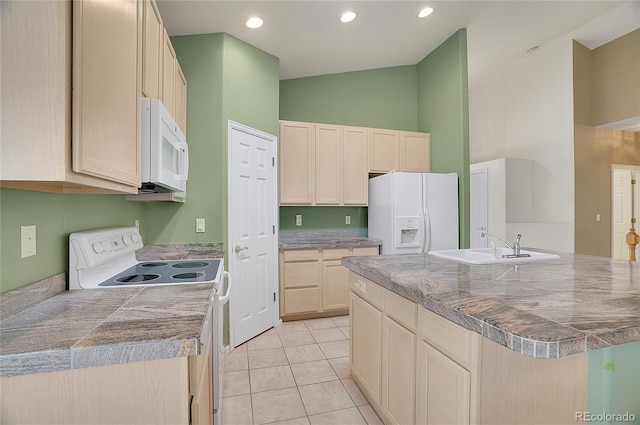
x: 297, y: 163
x: 415, y: 152
x: 174, y: 84
x: 37, y: 126
x: 384, y: 151
x: 391, y: 150
x: 106, y: 80
x: 323, y: 164
x: 152, y: 48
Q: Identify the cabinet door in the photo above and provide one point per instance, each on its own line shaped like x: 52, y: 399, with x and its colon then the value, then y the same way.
x: 355, y: 185
x: 180, y: 98
x: 200, y: 376
x: 106, y: 85
x: 297, y: 163
x: 328, y: 176
x: 335, y: 285
x: 366, y: 344
x: 168, y: 74
x: 398, y: 374
x: 383, y: 151
x: 415, y: 152
x: 152, y: 39
x: 442, y: 388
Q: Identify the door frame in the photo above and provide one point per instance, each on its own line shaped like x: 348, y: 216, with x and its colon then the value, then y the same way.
x: 635, y: 168
x: 232, y: 125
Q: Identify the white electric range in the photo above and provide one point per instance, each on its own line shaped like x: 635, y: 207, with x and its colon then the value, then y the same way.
x: 105, y: 258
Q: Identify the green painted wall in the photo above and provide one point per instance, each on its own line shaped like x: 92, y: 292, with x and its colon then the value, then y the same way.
x: 200, y: 58
x: 383, y: 98
x: 324, y: 219
x: 55, y: 216
x: 614, y: 382
x: 443, y: 106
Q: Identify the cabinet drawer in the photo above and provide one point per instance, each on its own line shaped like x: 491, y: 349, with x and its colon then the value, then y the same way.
x: 300, y: 254
x: 401, y: 310
x: 301, y: 274
x: 366, y: 289
x: 456, y: 342
x: 365, y: 250
x: 335, y: 253
x: 301, y: 300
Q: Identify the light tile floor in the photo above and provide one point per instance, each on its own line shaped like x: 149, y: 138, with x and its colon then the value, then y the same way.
x: 296, y: 374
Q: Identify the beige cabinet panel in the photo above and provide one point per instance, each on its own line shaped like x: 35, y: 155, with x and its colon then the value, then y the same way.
x: 200, y: 377
x: 355, y: 154
x: 365, y: 346
x: 301, y: 274
x: 335, y: 289
x: 384, y: 151
x: 168, y: 73
x: 398, y: 362
x: 180, y: 98
x: 301, y: 300
x: 106, y: 84
x: 415, y: 151
x: 146, y: 392
x: 442, y: 388
x: 297, y: 163
x: 328, y: 179
x: 152, y: 44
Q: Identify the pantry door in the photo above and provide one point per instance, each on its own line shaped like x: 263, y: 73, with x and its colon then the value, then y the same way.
x: 253, y: 232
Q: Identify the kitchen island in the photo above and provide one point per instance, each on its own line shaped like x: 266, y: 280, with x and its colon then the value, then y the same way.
x: 113, y: 355
x: 514, y: 343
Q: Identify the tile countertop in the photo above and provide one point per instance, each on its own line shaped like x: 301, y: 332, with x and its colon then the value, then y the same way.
x: 98, y: 327
x: 541, y: 309
x: 302, y: 240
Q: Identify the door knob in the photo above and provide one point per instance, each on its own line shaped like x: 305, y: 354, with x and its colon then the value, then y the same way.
x: 237, y: 249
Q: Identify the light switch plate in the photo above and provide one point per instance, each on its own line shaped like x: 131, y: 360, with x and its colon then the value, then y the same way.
x: 298, y: 219
x: 347, y: 219
x: 27, y: 241
x: 200, y: 225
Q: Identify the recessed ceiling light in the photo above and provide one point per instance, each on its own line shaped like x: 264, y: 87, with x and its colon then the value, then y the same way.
x: 348, y: 16
x: 425, y: 12
x: 254, y: 22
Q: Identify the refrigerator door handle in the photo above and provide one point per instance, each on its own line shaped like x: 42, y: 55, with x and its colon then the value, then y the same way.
x: 426, y: 231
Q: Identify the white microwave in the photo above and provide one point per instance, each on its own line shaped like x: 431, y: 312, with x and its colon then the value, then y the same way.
x: 165, y: 155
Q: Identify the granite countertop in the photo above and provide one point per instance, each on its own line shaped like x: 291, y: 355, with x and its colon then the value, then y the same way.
x: 302, y: 240
x: 86, y: 328
x: 541, y: 309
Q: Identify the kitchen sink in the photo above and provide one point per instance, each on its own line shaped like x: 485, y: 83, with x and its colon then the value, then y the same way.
x: 491, y: 256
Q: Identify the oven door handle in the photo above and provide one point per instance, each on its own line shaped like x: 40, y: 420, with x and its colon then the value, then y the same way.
x: 222, y: 300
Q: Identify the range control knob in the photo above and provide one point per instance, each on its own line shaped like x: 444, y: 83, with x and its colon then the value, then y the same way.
x: 127, y: 240
x: 135, y: 238
x: 97, y: 247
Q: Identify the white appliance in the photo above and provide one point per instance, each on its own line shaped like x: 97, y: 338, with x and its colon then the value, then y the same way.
x: 105, y: 258
x: 414, y: 212
x: 165, y: 155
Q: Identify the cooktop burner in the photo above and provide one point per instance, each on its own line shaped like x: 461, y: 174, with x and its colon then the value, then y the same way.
x: 165, y: 273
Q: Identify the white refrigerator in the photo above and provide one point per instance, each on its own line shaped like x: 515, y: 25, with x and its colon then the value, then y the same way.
x: 414, y: 212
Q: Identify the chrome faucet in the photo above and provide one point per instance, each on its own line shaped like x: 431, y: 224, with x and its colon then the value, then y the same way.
x: 515, y: 247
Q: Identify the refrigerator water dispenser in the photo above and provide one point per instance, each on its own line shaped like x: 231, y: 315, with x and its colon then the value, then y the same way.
x: 409, y: 232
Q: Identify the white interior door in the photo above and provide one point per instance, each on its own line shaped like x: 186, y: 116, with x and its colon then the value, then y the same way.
x: 478, y: 198
x: 621, y: 209
x: 252, y: 247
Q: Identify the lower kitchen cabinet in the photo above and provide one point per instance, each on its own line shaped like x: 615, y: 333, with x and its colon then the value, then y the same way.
x: 365, y: 320
x: 201, y: 378
x: 416, y: 367
x: 313, y: 282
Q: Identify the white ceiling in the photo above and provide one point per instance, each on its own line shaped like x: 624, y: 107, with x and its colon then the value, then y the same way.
x: 309, y: 39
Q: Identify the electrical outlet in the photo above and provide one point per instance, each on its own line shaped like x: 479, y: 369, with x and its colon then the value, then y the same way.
x: 27, y: 241
x: 347, y: 219
x: 200, y: 225
x: 298, y: 219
